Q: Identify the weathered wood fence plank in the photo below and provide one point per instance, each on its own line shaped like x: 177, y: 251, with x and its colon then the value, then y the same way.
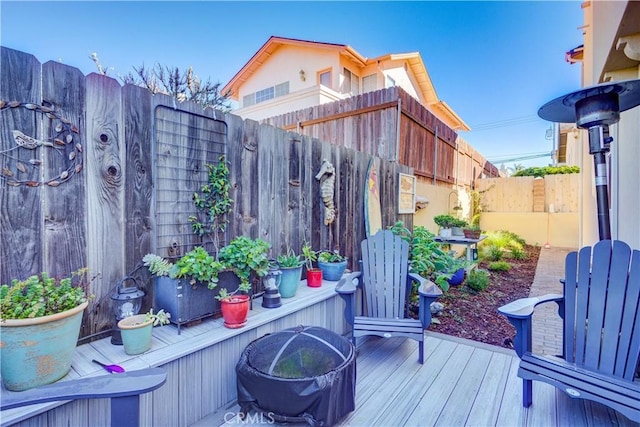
x: 20, y: 207
x: 64, y: 206
x: 105, y: 188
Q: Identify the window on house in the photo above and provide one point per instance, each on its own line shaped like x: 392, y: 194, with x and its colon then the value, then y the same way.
x: 324, y: 78
x: 389, y: 82
x: 248, y: 100
x: 265, y: 94
x: 369, y: 83
x: 282, y: 89
x: 351, y: 83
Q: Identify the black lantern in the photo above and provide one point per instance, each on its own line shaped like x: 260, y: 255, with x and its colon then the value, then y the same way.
x: 126, y: 301
x: 271, y: 282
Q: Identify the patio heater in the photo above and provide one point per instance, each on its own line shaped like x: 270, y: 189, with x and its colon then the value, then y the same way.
x: 594, y: 109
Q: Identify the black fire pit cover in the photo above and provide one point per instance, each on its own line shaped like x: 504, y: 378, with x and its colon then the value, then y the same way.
x: 298, y: 374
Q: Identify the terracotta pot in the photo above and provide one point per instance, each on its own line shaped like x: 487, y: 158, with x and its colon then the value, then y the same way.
x: 314, y: 278
x: 235, y: 310
x: 472, y: 234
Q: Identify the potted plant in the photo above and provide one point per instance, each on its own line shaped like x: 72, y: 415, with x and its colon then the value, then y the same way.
x: 136, y: 330
x: 291, y: 267
x: 242, y: 256
x: 332, y: 264
x: 457, y: 227
x: 472, y: 232
x: 39, y: 328
x: 445, y: 222
x: 314, y: 275
x: 184, y: 288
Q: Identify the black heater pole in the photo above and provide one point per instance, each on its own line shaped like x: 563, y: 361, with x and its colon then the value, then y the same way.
x: 595, y: 108
x: 598, y: 150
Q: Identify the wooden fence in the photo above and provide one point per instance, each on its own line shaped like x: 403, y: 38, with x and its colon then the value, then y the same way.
x: 392, y: 124
x: 113, y: 169
x: 556, y: 193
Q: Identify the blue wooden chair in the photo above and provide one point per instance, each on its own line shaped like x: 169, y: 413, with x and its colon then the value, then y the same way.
x: 601, y: 327
x: 386, y: 284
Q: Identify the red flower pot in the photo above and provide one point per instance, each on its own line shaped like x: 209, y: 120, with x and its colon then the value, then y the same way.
x: 235, y: 310
x: 314, y: 278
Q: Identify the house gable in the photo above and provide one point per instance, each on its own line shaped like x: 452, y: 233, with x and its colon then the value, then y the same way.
x: 286, y: 74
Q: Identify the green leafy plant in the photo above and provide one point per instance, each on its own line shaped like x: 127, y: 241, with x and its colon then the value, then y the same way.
x: 458, y: 222
x: 199, y: 266
x: 42, y: 295
x: 426, y: 256
x: 547, y: 170
x: 244, y: 256
x: 289, y: 260
x: 445, y: 220
x: 159, y: 318
x: 517, y: 253
x: 478, y: 279
x: 213, y: 202
x: 494, y: 253
x: 499, y: 266
x: 310, y: 256
x: 159, y: 266
x: 331, y: 256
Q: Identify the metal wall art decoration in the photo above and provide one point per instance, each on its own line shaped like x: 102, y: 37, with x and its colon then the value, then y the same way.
x: 327, y: 178
x: 15, y: 171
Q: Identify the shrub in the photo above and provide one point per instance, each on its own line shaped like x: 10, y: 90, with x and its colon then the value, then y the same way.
x: 517, y: 253
x: 478, y: 279
x: 547, y: 170
x: 494, y: 253
x: 499, y: 266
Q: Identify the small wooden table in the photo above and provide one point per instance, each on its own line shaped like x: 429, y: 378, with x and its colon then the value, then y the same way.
x: 461, y: 240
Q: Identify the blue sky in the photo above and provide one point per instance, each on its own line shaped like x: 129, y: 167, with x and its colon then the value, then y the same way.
x: 494, y: 63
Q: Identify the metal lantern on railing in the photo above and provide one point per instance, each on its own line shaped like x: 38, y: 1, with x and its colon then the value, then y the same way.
x: 271, y: 283
x: 126, y: 301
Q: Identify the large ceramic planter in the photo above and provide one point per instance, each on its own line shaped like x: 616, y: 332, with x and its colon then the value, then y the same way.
x: 314, y: 277
x: 289, y: 281
x: 136, y: 333
x: 38, y: 351
x: 332, y: 270
x: 235, y: 310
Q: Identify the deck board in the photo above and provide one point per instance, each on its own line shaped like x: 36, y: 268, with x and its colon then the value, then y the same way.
x: 462, y: 383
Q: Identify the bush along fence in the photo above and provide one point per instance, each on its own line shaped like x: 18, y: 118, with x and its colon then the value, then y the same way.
x: 95, y: 174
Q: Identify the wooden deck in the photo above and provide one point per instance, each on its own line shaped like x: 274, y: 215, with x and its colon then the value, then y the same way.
x: 462, y: 383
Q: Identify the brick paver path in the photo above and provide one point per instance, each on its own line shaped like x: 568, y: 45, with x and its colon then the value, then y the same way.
x: 547, y: 325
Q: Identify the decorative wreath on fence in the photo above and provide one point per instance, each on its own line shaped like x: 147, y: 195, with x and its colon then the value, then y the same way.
x: 13, y: 169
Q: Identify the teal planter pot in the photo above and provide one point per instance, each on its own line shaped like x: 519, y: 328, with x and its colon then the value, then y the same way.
x: 332, y: 271
x: 38, y: 351
x: 289, y: 281
x: 136, y: 333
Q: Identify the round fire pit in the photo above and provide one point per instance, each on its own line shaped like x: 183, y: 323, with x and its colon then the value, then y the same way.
x: 302, y: 374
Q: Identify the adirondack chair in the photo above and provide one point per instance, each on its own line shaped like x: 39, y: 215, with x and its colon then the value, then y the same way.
x: 601, y: 327
x: 386, y: 285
